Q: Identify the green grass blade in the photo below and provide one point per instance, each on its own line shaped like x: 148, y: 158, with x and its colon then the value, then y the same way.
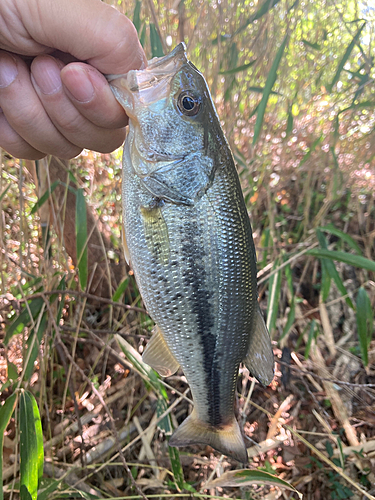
x: 136, y: 359
x: 178, y: 473
x: 292, y: 311
x: 4, y: 192
x: 364, y: 322
x: 314, y: 46
x: 120, y: 290
x: 238, y: 69
x: 34, y: 344
x: 271, y: 79
x: 165, y: 424
x: 142, y: 36
x: 346, y: 57
x: 81, y: 238
x: 48, y: 487
x: 311, y: 150
x: 348, y: 258
x: 274, y: 297
x: 330, y: 269
x: 266, y: 242
x: 6, y: 412
x: 44, y: 197
x: 31, y: 446
x: 310, y: 338
x: 151, y: 379
x: 156, y: 45
x: 137, y: 15
x: 260, y: 90
x: 326, y: 280
x: 23, y: 319
x: 267, y: 6
x: 12, y: 371
x: 330, y: 228
x: 248, y: 477
x: 290, y: 320
x: 289, y: 122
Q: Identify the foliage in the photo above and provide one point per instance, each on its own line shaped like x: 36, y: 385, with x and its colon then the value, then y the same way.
x: 293, y: 83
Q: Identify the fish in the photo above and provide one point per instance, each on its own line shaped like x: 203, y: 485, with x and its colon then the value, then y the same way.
x: 188, y: 239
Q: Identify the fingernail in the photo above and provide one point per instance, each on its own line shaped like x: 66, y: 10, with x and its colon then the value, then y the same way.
x: 8, y: 70
x: 78, y: 82
x: 46, y: 75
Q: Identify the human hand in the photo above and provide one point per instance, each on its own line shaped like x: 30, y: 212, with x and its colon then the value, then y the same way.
x: 48, y: 104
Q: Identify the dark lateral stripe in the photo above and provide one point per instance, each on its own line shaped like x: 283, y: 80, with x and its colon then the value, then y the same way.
x: 195, y: 278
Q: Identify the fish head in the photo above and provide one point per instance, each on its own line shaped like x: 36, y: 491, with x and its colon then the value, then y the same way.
x: 169, y: 107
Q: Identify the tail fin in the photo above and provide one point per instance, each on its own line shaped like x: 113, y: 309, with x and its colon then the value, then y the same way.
x: 225, y: 439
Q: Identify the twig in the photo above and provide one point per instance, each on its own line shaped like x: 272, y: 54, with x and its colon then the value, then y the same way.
x: 65, y: 328
x: 86, y: 295
x: 129, y: 445
x: 69, y: 477
x: 127, y: 364
x: 334, y: 381
x: 105, y: 446
x: 319, y: 454
x: 98, y: 395
x: 61, y: 354
x: 146, y: 443
x: 291, y: 259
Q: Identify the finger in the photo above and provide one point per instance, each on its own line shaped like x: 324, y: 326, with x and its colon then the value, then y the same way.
x: 25, y: 112
x: 91, y: 95
x: 91, y: 31
x: 14, y: 144
x: 65, y: 116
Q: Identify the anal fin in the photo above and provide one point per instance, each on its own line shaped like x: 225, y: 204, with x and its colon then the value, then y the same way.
x: 259, y: 359
x: 226, y: 439
x: 158, y: 355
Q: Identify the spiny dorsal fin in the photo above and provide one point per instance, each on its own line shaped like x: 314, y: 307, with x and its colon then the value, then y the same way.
x: 158, y: 355
x: 259, y: 359
x: 226, y: 439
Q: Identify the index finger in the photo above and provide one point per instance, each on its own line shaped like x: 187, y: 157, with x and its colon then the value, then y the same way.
x: 90, y: 30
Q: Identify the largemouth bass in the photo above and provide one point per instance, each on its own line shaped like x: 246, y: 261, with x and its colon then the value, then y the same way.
x: 189, y: 242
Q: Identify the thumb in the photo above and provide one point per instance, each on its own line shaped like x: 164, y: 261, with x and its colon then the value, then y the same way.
x: 89, y: 30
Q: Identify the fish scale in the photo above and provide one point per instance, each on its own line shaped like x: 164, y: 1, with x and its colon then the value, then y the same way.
x: 189, y: 242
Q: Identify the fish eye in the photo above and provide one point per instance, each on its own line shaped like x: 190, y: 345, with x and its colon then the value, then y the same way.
x: 188, y: 103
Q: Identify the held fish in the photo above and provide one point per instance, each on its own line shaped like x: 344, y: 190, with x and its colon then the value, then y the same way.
x: 189, y: 241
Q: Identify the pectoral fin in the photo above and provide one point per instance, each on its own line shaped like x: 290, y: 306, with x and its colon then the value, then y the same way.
x: 158, y: 355
x: 259, y: 359
x: 156, y: 233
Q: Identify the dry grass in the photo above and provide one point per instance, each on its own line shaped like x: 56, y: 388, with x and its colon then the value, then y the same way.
x: 315, y: 425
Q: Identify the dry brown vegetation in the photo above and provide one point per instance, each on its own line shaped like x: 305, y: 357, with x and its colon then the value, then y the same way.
x: 309, y: 183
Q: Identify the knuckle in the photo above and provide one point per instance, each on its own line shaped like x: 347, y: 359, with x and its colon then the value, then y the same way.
x: 69, y: 124
x: 23, y: 118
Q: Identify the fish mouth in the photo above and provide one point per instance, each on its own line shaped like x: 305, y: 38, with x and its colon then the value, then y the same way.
x: 150, y: 84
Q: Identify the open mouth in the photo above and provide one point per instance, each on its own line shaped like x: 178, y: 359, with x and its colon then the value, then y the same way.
x: 151, y: 83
